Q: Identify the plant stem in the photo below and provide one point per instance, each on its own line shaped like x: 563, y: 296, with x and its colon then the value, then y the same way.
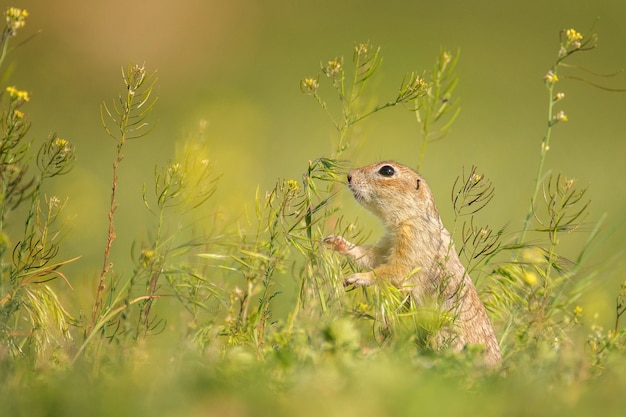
x: 106, y: 266
x: 545, y: 147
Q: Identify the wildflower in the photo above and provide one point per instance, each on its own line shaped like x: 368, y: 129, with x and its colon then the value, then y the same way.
x: 418, y: 84
x: 362, y: 307
x: 16, y: 19
x: 147, y: 256
x: 18, y: 114
x: 309, y: 86
x: 414, y: 88
x: 530, y: 278
x: 559, y: 96
x: 476, y: 178
x: 361, y: 49
x: 561, y: 117
x: 570, y: 183
x: 578, y: 311
x: 16, y: 94
x: 61, y: 143
x: 292, y: 185
x: 551, y: 77
x: 54, y: 201
x: 135, y: 78
x: 62, y: 146
x: 333, y: 68
x: 573, y: 36
x: 174, y: 168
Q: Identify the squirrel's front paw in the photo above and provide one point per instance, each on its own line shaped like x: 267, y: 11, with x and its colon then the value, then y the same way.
x: 361, y: 279
x: 338, y: 244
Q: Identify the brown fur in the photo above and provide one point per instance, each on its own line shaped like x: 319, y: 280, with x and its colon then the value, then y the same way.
x: 417, y: 253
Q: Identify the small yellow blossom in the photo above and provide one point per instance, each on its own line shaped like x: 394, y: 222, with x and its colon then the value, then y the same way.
x: 61, y: 143
x: 418, y: 84
x: 551, y: 77
x: 147, y: 256
x: 573, y: 36
x: 16, y: 19
x: 561, y: 116
x: 292, y: 185
x: 18, y: 114
x: 361, y: 49
x: 15, y: 13
x: 578, y: 311
x: 18, y: 94
x: 333, y: 68
x: 309, y: 85
x: 559, y: 96
x: 530, y: 278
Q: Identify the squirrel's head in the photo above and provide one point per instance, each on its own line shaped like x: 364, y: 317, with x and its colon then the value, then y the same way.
x: 392, y: 191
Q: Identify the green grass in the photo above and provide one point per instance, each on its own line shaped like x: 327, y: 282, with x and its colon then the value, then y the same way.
x: 249, y: 317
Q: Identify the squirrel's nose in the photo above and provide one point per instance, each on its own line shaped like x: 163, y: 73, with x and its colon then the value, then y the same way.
x: 349, y: 177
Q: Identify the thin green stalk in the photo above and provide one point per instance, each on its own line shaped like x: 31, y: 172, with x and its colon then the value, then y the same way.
x: 5, y: 47
x: 129, y: 119
x: 545, y: 147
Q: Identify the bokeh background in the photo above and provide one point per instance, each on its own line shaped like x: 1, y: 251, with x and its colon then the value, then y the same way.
x: 236, y: 65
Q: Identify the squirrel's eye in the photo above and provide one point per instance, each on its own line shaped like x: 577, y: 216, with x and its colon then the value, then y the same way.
x: 386, y: 171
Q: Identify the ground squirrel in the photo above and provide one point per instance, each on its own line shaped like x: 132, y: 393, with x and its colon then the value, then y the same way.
x: 417, y: 253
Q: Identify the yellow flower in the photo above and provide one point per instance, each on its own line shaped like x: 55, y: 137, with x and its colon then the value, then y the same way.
x: 573, y: 36
x: 530, y: 278
x: 309, y: 85
x: 578, y: 311
x: 292, y: 185
x: 561, y: 116
x: 361, y: 49
x: 333, y: 68
x: 16, y: 19
x: 61, y: 143
x: 476, y: 178
x: 551, y: 77
x: 18, y: 94
x: 18, y: 114
x: 15, y: 13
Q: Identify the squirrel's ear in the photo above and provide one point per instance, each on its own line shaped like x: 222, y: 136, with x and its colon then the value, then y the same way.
x: 417, y: 187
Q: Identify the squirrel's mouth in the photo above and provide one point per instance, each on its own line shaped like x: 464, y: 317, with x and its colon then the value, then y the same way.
x: 357, y: 195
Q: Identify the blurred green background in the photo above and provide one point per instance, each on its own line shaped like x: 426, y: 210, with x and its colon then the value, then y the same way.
x: 236, y: 65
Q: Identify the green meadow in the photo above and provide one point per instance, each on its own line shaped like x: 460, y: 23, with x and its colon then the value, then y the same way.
x: 168, y: 173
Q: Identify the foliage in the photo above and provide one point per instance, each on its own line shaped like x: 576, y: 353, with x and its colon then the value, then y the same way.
x: 247, y: 317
